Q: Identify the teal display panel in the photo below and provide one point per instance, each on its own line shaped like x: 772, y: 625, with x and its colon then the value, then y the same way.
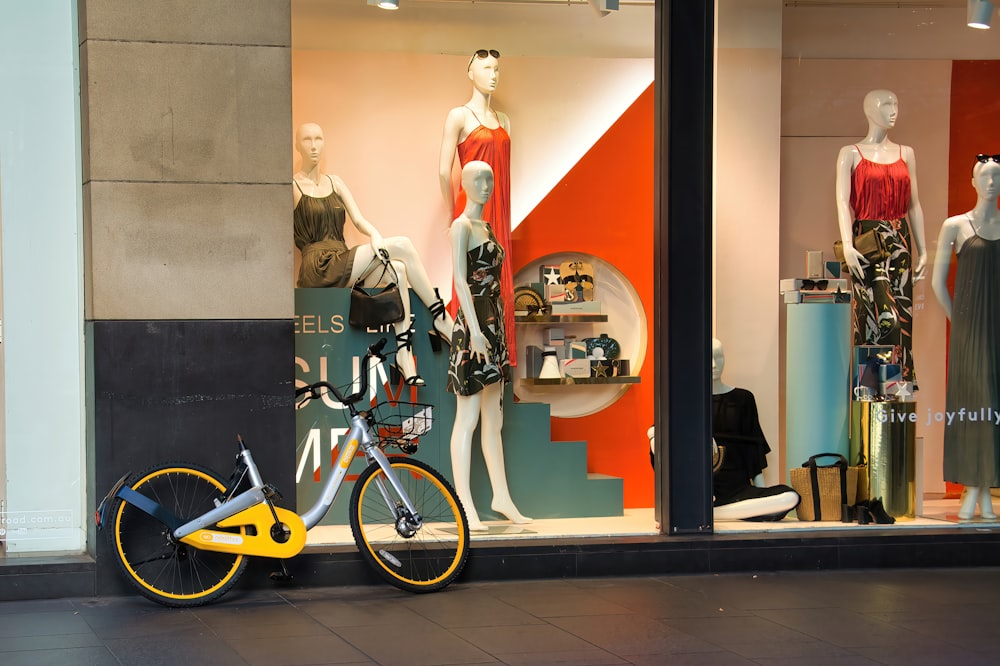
x: 546, y: 479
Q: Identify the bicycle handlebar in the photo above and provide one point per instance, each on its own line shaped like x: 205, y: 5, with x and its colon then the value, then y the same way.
x: 374, y: 350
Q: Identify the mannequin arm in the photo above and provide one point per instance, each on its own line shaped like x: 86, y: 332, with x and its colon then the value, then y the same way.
x: 460, y: 232
x: 916, y: 216
x: 449, y: 143
x: 942, y: 264
x: 845, y: 216
x: 359, y: 221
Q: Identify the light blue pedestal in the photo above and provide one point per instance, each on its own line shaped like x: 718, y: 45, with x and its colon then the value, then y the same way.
x: 817, y: 380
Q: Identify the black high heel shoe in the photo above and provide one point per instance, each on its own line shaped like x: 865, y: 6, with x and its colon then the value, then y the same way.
x: 438, y: 311
x: 404, y: 340
x: 879, y: 513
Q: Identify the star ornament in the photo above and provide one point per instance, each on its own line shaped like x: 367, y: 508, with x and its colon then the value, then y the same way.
x: 551, y: 275
x: 601, y: 369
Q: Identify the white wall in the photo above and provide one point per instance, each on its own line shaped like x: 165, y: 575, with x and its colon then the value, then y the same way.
x: 747, y: 176
x: 42, y: 299
x: 383, y: 115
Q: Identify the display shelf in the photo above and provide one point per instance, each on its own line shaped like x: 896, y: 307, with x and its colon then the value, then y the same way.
x: 566, y: 381
x: 560, y: 319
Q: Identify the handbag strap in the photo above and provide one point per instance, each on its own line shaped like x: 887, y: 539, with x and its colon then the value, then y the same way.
x: 370, y: 268
x: 841, y: 464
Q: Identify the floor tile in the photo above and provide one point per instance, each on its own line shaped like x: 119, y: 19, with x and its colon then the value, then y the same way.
x: 272, y: 651
x: 413, y: 646
x: 87, y: 656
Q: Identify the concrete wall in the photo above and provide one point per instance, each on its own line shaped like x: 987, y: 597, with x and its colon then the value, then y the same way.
x: 186, y: 124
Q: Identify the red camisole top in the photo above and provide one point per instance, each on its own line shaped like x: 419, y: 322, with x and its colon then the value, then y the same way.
x: 880, y: 191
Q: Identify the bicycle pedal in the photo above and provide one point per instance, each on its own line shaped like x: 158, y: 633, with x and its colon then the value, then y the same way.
x: 271, y: 493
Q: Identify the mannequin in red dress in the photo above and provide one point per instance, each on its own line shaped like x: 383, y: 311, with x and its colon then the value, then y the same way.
x: 476, y: 131
x: 876, y: 190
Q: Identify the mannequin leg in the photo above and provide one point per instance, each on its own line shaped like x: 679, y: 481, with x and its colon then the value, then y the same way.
x: 466, y: 418
x: 401, y: 248
x: 492, y: 423
x: 968, y: 507
x: 986, y: 504
x: 404, y: 332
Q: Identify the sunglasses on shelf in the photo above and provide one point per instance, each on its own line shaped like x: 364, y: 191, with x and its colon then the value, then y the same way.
x: 982, y: 157
x: 483, y: 53
x: 815, y: 285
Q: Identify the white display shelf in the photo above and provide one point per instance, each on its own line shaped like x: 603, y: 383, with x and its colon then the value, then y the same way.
x: 560, y: 319
x: 579, y: 381
x: 623, y: 318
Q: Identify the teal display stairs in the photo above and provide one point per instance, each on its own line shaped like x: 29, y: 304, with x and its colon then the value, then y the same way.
x: 546, y: 479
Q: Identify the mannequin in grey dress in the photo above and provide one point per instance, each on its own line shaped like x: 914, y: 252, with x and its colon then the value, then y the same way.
x: 972, y: 444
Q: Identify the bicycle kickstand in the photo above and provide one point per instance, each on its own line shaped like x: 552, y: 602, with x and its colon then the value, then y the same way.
x: 282, y: 576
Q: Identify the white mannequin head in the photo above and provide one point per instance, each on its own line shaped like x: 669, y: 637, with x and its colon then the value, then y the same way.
x: 881, y: 108
x: 484, y: 71
x: 986, y: 178
x: 477, y: 181
x: 309, y: 144
x: 718, y: 359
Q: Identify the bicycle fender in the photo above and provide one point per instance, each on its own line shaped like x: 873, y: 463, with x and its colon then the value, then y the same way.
x: 143, y: 503
x: 261, y: 543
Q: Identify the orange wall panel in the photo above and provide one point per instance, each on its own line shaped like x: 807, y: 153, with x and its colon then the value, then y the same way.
x: 604, y: 207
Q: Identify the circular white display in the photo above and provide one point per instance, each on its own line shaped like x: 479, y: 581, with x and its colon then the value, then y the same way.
x: 626, y: 323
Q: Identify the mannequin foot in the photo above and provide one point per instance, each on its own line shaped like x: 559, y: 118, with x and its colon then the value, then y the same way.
x: 404, y: 359
x: 476, y: 526
x: 513, y: 515
x: 968, y: 507
x: 443, y: 323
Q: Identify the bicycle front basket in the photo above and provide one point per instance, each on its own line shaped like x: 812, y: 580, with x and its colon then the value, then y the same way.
x: 401, y: 424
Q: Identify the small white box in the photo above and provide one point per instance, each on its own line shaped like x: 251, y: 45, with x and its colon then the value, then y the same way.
x: 577, y: 308
x: 814, y: 264
x: 575, y: 367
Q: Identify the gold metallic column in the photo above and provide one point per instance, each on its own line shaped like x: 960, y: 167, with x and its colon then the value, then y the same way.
x: 884, y: 435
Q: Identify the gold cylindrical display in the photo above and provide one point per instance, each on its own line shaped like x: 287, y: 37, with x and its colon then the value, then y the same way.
x: 883, y: 435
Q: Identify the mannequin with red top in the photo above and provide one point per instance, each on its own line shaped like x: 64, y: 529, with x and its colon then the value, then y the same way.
x: 877, y: 190
x: 476, y: 131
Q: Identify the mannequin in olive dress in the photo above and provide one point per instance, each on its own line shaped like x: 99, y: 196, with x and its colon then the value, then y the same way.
x: 320, y: 203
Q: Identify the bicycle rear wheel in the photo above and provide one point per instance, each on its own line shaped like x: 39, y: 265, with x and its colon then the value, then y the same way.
x: 424, y: 560
x: 158, y: 566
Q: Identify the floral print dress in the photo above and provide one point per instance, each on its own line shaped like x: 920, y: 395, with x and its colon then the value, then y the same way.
x: 466, y: 374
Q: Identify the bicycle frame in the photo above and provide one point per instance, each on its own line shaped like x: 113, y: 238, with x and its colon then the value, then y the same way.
x: 276, y: 532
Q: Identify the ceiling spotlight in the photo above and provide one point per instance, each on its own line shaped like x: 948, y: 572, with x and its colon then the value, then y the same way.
x: 385, y: 4
x: 980, y: 14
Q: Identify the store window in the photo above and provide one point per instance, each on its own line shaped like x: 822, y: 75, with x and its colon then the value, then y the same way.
x: 576, y: 86
x: 824, y: 111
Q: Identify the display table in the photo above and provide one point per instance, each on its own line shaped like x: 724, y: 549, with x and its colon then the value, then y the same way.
x: 817, y: 380
x: 884, y: 435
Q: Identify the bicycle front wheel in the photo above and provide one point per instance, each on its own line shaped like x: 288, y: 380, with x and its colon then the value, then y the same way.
x: 160, y: 567
x: 421, y: 560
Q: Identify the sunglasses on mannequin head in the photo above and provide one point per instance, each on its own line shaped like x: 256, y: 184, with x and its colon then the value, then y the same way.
x: 982, y: 157
x: 483, y: 53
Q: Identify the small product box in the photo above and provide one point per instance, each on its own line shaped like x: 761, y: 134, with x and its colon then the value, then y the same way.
x: 577, y: 308
x: 575, y: 367
x: 601, y: 368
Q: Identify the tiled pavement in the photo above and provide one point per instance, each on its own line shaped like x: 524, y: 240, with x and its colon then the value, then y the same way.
x: 911, y: 616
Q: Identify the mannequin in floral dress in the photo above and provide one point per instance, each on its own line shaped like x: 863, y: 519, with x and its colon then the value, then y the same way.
x: 479, y: 366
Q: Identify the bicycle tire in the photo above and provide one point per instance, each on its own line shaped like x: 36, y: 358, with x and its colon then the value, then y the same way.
x: 162, y: 569
x: 434, y: 556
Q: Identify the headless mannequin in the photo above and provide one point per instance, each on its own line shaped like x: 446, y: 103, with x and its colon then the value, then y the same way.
x: 735, y: 427
x: 484, y: 407
x: 983, y: 220
x: 740, y: 438
x: 312, y: 182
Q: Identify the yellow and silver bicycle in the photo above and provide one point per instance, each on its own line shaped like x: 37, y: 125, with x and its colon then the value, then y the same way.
x: 182, y: 534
